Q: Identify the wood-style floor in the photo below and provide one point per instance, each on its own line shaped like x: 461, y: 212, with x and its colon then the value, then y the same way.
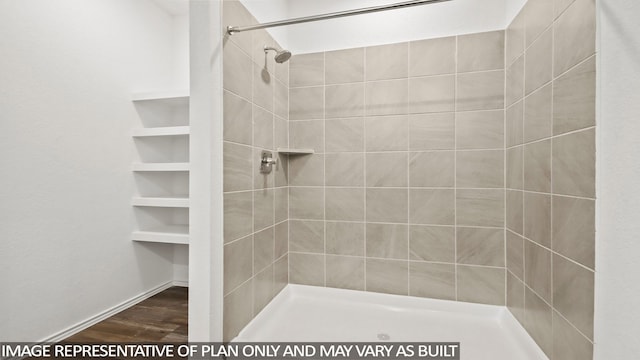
x: 160, y: 318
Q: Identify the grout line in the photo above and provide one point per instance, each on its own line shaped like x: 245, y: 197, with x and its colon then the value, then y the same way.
x: 455, y: 175
x: 364, y: 170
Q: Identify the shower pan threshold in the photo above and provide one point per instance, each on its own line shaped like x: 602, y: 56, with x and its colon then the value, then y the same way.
x: 306, y: 314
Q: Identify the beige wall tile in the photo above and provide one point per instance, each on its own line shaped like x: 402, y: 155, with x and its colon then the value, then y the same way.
x: 386, y: 97
x: 281, y: 171
x: 432, y: 280
x: 263, y: 209
x: 281, y: 133
x: 539, y: 16
x: 263, y: 249
x: 432, y: 243
x: 480, y: 129
x: 238, y: 310
x: 238, y: 167
x: 481, y: 51
x: 387, y: 169
x: 480, y: 91
x: 262, y: 38
x: 280, y: 274
x: 387, y: 276
x: 343, y: 66
x: 515, y: 297
x: 574, y: 171
x: 480, y: 246
x: 387, y: 61
x: 574, y: 229
x: 431, y: 169
x: 344, y: 204
x: 281, y: 199
x: 262, y: 289
x: 306, y: 70
x: 238, y: 215
x: 537, y: 166
x: 237, y: 119
x: 306, y: 236
x: 568, y: 343
x: 515, y: 208
x: 480, y: 207
x: 235, y: 13
x: 306, y: 269
x: 480, y: 169
x: 282, y: 73
x: 574, y: 35
x: 514, y: 168
x: 432, y: 131
x: 281, y: 246
x: 573, y: 289
x: 345, y: 272
x: 344, y: 169
x: 432, y: 57
x: 537, y: 218
x: 280, y: 100
x: 344, y: 135
x: 431, y: 206
x: 537, y: 269
x: 306, y: 170
x: 515, y: 254
x: 537, y: 321
x: 515, y: 82
x: 386, y: 133
x: 386, y: 205
x: 390, y: 241
x: 432, y: 94
x: 345, y: 238
x: 537, y: 114
x: 574, y: 98
x: 306, y: 203
x: 559, y: 6
x: 515, y: 38
x: 262, y: 128
x: 538, y: 59
x: 483, y: 285
x: 262, y: 88
x: 306, y: 103
x: 307, y: 135
x: 514, y: 124
x: 346, y: 100
x: 238, y: 263
x: 237, y: 71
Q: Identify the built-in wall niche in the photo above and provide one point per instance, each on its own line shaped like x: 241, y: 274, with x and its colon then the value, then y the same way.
x: 161, y: 167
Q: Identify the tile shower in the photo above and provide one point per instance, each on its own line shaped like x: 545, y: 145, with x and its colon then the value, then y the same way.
x: 458, y: 168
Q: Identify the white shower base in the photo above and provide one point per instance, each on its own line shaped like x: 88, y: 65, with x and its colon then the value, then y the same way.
x: 315, y: 314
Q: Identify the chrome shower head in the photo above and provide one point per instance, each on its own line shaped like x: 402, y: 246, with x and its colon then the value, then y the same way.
x: 281, y: 55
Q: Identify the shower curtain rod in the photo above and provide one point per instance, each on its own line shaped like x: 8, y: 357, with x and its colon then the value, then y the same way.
x: 236, y: 29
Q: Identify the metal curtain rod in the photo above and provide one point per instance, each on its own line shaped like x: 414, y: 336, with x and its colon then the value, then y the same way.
x: 236, y: 29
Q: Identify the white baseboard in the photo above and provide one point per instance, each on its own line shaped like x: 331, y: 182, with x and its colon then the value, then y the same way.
x: 180, y: 283
x: 108, y: 313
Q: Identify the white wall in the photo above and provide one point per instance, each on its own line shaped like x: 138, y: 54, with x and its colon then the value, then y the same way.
x: 67, y: 70
x: 423, y: 22
x: 617, y: 313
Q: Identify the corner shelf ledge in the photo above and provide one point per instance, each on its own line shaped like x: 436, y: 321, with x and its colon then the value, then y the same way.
x: 160, y: 95
x: 287, y: 151
x: 168, y: 234
x: 161, y: 131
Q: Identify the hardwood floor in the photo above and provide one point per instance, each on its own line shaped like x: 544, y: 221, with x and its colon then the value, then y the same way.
x: 161, y: 318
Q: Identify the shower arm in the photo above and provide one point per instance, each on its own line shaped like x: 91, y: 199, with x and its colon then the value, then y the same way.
x: 236, y: 29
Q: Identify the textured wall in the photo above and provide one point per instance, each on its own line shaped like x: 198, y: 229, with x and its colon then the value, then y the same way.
x: 255, y: 205
x: 550, y: 132
x: 405, y: 193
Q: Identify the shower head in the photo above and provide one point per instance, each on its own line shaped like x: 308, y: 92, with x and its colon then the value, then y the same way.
x: 281, y: 55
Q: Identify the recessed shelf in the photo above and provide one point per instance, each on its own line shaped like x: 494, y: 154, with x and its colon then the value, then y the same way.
x: 288, y: 151
x: 161, y: 167
x: 168, y: 234
x: 161, y: 131
x: 172, y: 96
x: 179, y: 201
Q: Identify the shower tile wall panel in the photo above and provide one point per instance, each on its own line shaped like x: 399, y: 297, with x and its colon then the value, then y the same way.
x: 406, y: 191
x: 550, y: 174
x: 256, y: 110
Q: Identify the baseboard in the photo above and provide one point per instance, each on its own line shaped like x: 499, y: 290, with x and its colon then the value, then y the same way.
x: 107, y: 313
x: 180, y: 283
